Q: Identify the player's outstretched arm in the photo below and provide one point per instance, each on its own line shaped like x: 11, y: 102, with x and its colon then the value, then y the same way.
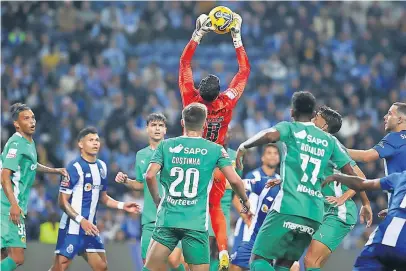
x: 364, y: 156
x: 152, y: 182
x: 264, y: 137
x: 45, y: 169
x: 354, y: 182
x: 87, y: 226
x: 241, y: 78
x: 130, y: 207
x: 186, y: 84
x: 131, y: 183
x: 15, y: 210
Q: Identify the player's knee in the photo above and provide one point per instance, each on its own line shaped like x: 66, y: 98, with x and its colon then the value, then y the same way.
x: 61, y: 263
x: 173, y: 263
x: 174, y: 260
x: 103, y: 265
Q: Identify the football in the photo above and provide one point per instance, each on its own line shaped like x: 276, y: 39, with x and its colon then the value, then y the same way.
x: 222, y: 19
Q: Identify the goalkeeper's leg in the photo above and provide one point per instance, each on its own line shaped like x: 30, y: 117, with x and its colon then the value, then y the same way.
x: 218, y: 219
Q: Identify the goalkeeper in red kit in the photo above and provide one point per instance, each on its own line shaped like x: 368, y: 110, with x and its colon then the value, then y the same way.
x: 220, y: 108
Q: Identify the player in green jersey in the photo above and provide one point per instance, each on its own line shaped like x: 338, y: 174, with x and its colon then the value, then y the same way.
x: 297, y: 211
x: 340, y: 211
x: 186, y: 164
x: 226, y: 201
x: 18, y: 168
x: 156, y: 130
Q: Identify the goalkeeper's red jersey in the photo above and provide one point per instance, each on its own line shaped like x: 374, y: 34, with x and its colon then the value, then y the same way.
x: 220, y: 110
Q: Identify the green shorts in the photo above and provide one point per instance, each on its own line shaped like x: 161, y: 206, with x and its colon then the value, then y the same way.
x: 284, y: 236
x: 195, y: 244
x: 147, y: 230
x: 226, y: 207
x: 11, y: 234
x: 332, y: 231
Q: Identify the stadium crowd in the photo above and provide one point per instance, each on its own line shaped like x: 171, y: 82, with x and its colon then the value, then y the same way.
x: 110, y: 64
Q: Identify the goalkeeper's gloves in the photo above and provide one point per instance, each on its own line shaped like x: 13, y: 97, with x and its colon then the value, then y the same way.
x: 236, y: 30
x: 203, y: 26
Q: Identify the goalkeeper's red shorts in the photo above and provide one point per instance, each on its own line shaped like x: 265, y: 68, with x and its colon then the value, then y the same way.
x: 218, y: 220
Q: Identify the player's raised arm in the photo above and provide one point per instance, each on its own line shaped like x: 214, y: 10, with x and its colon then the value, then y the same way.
x: 186, y: 84
x: 237, y: 85
x: 270, y: 135
x: 131, y: 183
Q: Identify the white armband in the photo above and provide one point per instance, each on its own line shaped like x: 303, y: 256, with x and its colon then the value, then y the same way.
x: 120, y: 205
x: 78, y: 218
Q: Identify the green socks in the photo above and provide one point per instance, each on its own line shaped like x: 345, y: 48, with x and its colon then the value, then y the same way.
x: 180, y: 268
x: 214, y: 264
x: 8, y: 264
x: 261, y: 265
x: 281, y: 268
x: 313, y: 269
x: 145, y: 269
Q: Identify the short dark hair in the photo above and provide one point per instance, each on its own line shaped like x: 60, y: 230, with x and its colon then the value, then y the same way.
x: 270, y: 145
x: 16, y: 108
x: 209, y: 88
x: 85, y: 131
x: 156, y: 117
x: 303, y: 104
x: 401, y: 107
x: 332, y: 118
x: 194, y: 116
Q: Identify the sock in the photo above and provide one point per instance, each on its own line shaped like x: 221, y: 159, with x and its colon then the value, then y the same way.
x: 281, y: 268
x: 224, y: 252
x: 214, y: 264
x: 313, y: 269
x: 145, y: 269
x: 179, y: 268
x: 261, y: 265
x: 8, y: 264
x: 219, y: 225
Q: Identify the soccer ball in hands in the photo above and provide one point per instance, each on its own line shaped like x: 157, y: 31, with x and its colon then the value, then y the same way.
x: 222, y: 19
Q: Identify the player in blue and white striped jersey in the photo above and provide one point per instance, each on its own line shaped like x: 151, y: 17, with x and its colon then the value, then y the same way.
x: 261, y: 199
x: 79, y: 198
x: 392, y: 148
x: 386, y: 247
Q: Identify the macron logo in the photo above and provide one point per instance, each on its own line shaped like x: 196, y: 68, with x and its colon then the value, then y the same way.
x: 176, y: 149
x: 301, y: 135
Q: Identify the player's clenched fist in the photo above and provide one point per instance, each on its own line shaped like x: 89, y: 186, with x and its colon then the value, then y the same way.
x: 121, y: 177
x: 89, y: 228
